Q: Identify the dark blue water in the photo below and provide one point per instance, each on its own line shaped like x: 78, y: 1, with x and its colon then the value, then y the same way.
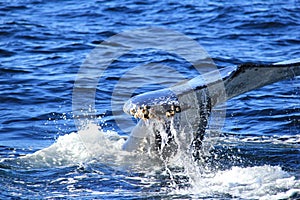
x: 43, y: 44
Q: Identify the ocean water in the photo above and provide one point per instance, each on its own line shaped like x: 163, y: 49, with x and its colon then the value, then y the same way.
x: 46, y: 154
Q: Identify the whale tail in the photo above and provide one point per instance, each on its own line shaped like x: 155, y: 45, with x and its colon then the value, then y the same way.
x: 251, y: 76
x: 194, y: 99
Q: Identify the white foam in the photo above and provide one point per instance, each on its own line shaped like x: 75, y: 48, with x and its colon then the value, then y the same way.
x: 272, y: 139
x: 259, y: 182
x: 94, y: 145
x: 90, y: 145
x: 75, y: 148
x: 283, y: 139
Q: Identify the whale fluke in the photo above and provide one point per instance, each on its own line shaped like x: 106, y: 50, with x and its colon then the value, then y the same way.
x: 250, y: 76
x: 193, y: 100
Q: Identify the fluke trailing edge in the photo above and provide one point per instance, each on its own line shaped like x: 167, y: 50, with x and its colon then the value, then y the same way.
x: 193, y: 100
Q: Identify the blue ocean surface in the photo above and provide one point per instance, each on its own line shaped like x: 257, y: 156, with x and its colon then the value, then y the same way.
x: 46, y: 154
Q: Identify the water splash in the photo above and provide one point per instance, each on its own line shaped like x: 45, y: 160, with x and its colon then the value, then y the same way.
x: 179, y: 175
x: 259, y: 182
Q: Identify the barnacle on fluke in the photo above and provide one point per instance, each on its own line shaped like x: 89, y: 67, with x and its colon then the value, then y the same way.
x: 146, y: 112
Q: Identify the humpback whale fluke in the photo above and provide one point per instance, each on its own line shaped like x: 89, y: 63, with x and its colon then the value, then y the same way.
x: 199, y: 96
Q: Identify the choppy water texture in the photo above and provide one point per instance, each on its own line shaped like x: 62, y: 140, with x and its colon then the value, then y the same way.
x: 44, y: 43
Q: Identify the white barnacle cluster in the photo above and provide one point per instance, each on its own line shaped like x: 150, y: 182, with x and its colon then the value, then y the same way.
x: 142, y: 112
x: 173, y: 109
x: 147, y: 112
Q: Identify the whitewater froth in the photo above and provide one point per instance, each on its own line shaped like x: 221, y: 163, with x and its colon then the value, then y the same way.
x: 93, y: 145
